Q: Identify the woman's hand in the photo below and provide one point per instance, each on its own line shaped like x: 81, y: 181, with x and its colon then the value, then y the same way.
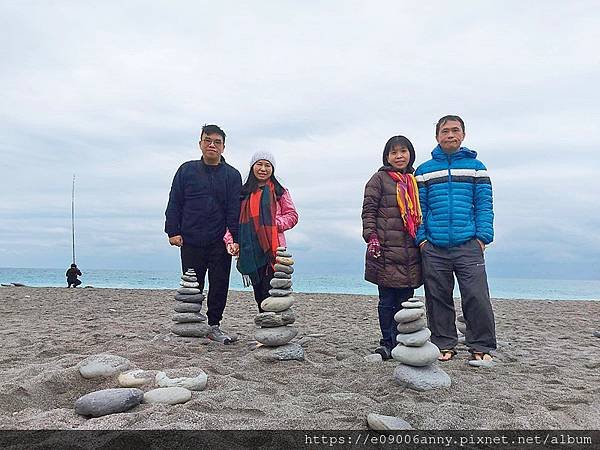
x: 374, y: 247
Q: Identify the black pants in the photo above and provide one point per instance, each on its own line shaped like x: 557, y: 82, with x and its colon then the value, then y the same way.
x: 261, y: 289
x: 390, y: 302
x: 214, y: 259
x: 439, y: 267
x: 74, y: 282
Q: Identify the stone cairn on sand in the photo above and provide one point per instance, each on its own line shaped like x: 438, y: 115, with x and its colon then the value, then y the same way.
x: 274, y: 323
x: 190, y: 322
x: 415, y: 352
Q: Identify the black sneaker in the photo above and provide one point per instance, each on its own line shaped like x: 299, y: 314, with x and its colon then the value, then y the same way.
x: 384, y: 352
x: 218, y: 336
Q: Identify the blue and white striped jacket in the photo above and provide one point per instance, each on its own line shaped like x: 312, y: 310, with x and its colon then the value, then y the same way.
x: 456, y: 199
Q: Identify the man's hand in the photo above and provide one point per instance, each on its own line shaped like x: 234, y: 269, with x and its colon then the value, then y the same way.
x: 177, y: 241
x: 233, y: 249
x: 482, y: 245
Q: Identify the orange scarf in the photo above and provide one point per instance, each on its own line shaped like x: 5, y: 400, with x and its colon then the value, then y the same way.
x: 407, y: 195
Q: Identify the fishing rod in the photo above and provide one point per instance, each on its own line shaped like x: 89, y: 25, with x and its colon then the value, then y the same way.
x: 73, y: 217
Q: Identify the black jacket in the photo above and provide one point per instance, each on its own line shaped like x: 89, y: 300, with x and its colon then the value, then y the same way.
x: 72, y: 273
x: 204, y: 200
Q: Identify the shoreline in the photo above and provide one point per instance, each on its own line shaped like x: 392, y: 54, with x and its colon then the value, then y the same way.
x: 546, y: 376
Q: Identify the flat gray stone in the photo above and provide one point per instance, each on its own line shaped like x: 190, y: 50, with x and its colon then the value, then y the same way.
x: 416, y: 339
x: 195, y: 383
x: 189, y: 284
x: 168, y: 395
x: 413, y: 304
x: 374, y: 358
x: 416, y: 356
x: 188, y: 278
x: 188, y: 298
x: 409, y: 315
x: 281, y: 284
x: 189, y: 317
x: 287, y: 352
x: 279, y: 292
x: 284, y: 254
x: 108, y: 401
x: 188, y: 290
x: 285, y: 261
x: 103, y: 365
x: 482, y: 363
x: 380, y: 422
x: 460, y: 318
x: 421, y: 378
x: 272, y: 319
x: 273, y: 337
x: 282, y: 275
x: 283, y: 268
x: 462, y: 327
x: 277, y: 304
x: 188, y: 307
x: 191, y: 329
x: 597, y: 334
x: 411, y: 327
x: 190, y: 273
x: 136, y: 378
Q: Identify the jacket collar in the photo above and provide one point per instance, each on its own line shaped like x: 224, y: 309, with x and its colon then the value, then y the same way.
x: 439, y: 155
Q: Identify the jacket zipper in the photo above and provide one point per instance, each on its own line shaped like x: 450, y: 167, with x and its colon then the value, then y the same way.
x: 450, y: 202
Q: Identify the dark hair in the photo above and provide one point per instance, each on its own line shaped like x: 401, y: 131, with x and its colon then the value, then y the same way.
x: 402, y: 142
x: 73, y: 265
x: 251, y: 184
x: 212, y: 129
x: 445, y: 119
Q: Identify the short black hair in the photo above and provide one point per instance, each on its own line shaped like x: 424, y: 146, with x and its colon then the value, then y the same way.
x: 402, y: 141
x: 448, y: 118
x: 212, y: 129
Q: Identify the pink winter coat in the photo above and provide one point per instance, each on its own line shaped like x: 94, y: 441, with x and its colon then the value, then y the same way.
x: 286, y: 218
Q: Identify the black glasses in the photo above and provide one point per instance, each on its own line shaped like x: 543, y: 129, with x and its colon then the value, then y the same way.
x: 208, y: 141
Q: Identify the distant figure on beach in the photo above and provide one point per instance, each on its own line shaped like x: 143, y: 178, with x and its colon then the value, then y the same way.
x: 205, y: 201
x: 72, y: 273
x: 267, y: 211
x: 390, y: 218
x: 456, y: 200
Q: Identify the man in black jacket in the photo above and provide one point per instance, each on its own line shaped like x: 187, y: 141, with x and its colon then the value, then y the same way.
x: 203, y: 202
x: 72, y: 273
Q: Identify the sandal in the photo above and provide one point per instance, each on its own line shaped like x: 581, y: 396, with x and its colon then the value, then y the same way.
x: 446, y: 355
x: 477, y: 360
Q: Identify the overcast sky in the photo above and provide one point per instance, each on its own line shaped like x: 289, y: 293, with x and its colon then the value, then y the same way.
x: 116, y: 92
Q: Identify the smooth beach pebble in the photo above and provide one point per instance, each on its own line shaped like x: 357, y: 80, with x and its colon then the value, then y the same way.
x: 188, y: 278
x: 189, y: 317
x: 270, y: 319
x: 482, y: 363
x: 136, y: 378
x: 273, y: 337
x: 462, y: 327
x: 187, y: 298
x: 187, y: 290
x: 416, y: 339
x: 416, y: 356
x: 284, y: 254
x: 103, y: 365
x: 283, y: 268
x: 108, y: 401
x: 285, y: 261
x: 279, y: 292
x: 411, y: 327
x: 281, y: 284
x: 189, y: 284
x: 287, y: 276
x: 196, y: 383
x: 277, y: 304
x: 168, y: 395
x: 421, y: 378
x: 416, y: 304
x: 379, y: 422
x: 597, y: 334
x: 409, y: 314
x: 191, y: 329
x: 374, y: 358
x: 287, y: 352
x: 188, y: 307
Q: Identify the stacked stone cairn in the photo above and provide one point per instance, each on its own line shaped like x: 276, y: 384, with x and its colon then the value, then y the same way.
x: 273, y: 323
x: 190, y: 322
x: 415, y: 352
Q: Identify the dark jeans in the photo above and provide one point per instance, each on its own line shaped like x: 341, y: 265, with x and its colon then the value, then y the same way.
x: 390, y: 300
x: 214, y: 259
x: 75, y: 283
x: 261, y: 289
x: 439, y: 267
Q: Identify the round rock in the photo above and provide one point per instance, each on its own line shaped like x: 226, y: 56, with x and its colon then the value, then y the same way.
x: 188, y: 278
x: 190, y: 272
x: 103, y: 365
x: 462, y: 327
x: 188, y: 307
x: 279, y: 292
x: 194, y: 383
x: 285, y: 261
x: 187, y: 298
x: 416, y: 356
x: 191, y: 329
x: 597, y: 334
x: 287, y: 352
x: 409, y: 315
x: 411, y: 327
x: 283, y: 275
x: 284, y: 254
x: 416, y: 339
x: 189, y: 284
x: 277, y: 304
x: 421, y: 378
x: 413, y: 304
x: 273, y: 337
x: 136, y: 378
x: 108, y: 401
x: 168, y: 395
x: 189, y: 317
x: 283, y: 268
x: 379, y: 422
x: 281, y: 284
x: 188, y: 290
x: 272, y: 319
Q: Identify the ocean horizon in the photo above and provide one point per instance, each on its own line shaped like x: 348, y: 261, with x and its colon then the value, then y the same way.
x: 507, y: 288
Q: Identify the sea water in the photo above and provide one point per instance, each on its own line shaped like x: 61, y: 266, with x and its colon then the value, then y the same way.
x: 509, y: 288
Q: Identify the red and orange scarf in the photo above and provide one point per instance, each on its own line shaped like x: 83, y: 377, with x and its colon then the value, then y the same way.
x: 407, y: 195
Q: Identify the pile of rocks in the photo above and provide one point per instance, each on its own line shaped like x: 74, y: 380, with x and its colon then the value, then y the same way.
x: 415, y: 352
x: 190, y: 322
x: 162, y: 389
x: 274, y: 323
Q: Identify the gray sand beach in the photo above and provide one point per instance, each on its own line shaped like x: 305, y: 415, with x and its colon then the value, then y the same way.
x: 547, y: 376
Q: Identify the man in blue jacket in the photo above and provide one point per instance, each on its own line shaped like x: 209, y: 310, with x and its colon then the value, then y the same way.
x: 456, y: 201
x: 203, y: 202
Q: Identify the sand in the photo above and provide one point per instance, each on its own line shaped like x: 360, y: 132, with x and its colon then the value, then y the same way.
x: 547, y: 376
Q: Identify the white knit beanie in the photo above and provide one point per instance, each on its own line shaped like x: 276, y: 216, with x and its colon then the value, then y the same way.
x: 267, y: 156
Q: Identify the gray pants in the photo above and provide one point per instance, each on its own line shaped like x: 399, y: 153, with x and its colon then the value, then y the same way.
x: 439, y: 267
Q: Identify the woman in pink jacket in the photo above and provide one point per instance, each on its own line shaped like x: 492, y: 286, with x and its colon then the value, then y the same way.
x: 266, y: 212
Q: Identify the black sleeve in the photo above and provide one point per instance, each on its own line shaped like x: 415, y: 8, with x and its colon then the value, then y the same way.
x: 233, y: 204
x: 175, y: 206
